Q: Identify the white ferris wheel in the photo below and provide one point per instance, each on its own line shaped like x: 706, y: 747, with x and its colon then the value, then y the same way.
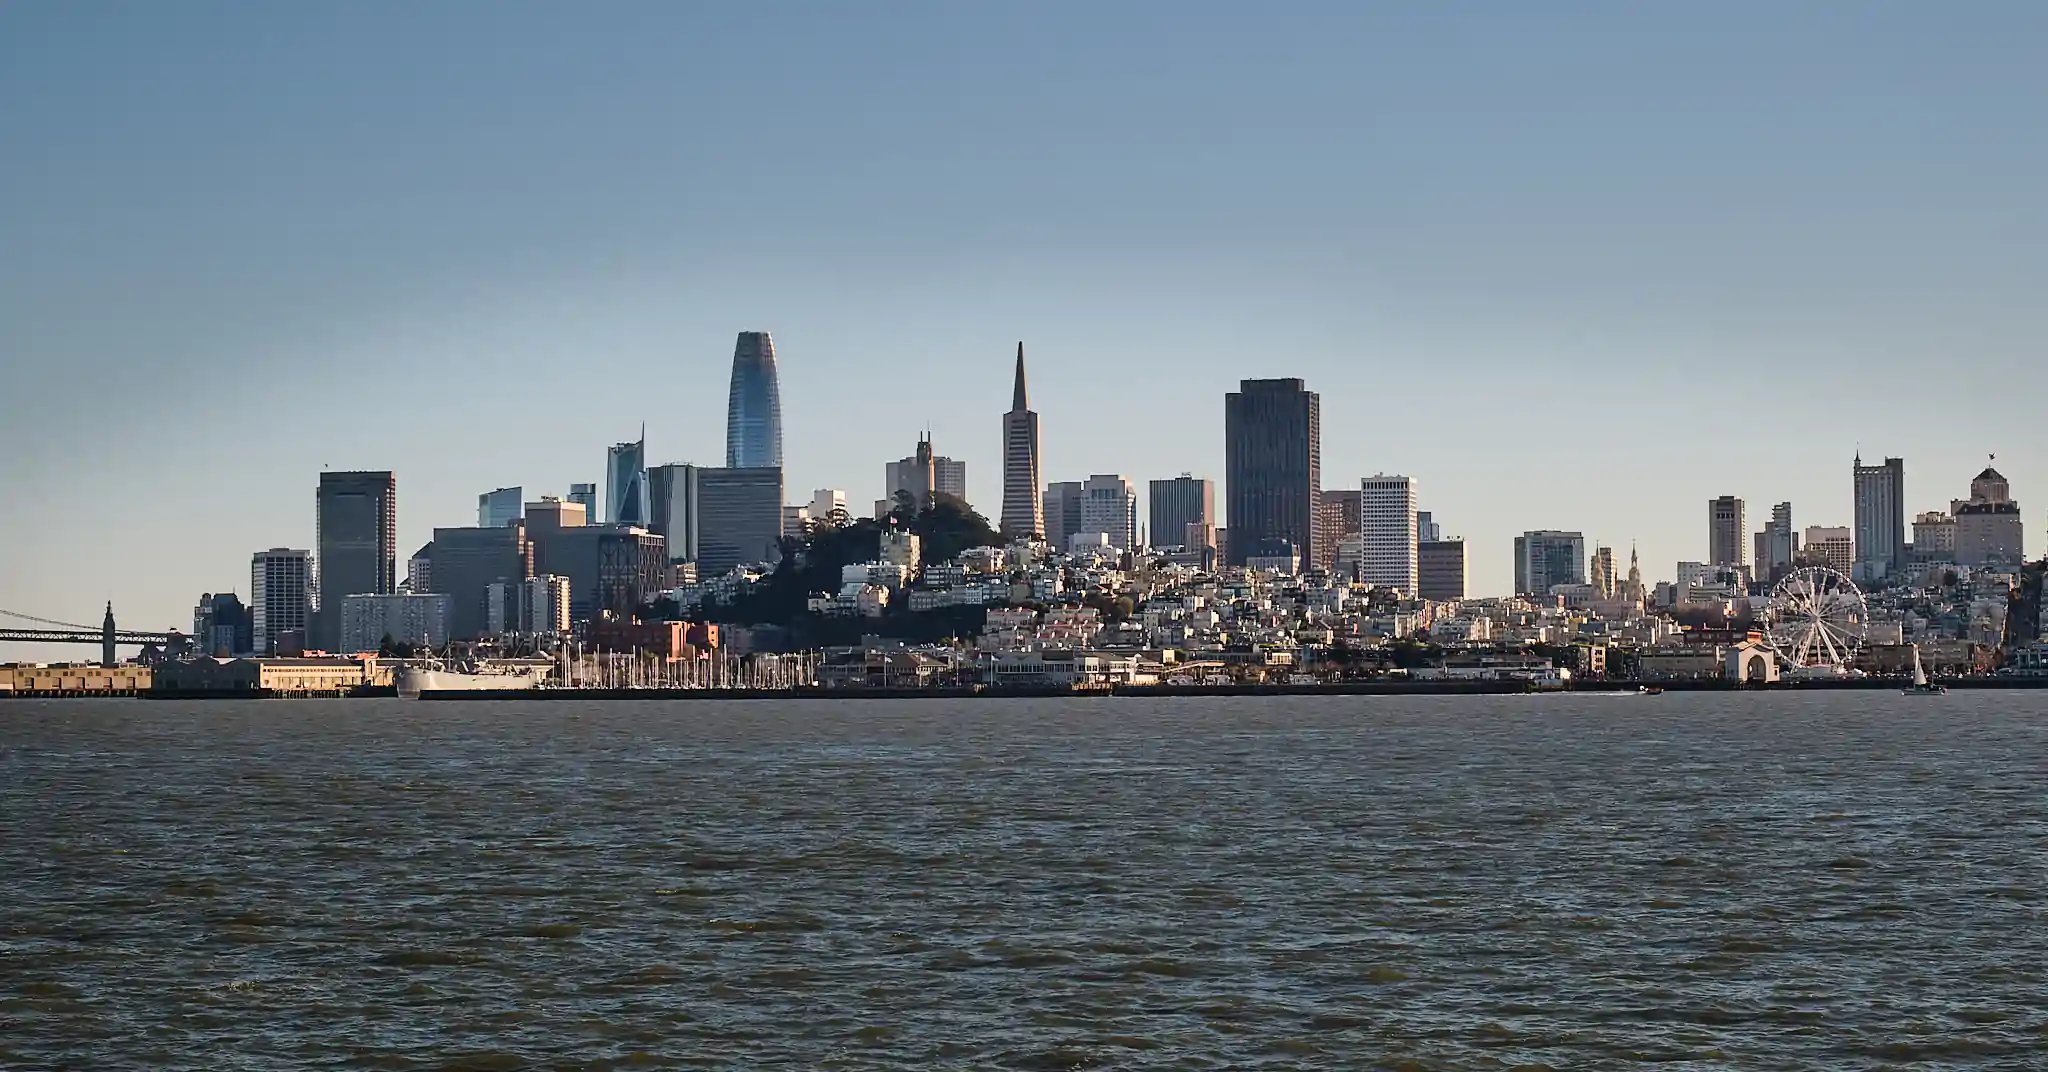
x: 1817, y: 618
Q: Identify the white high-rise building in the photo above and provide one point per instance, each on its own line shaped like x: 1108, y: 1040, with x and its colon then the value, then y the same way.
x: 280, y: 595
x: 825, y: 502
x: 1386, y: 513
x: 1109, y: 505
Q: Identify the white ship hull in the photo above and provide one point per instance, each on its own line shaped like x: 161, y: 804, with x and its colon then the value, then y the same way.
x: 413, y: 680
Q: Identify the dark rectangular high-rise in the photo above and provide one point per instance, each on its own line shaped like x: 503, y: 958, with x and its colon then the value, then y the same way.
x: 357, y: 544
x: 739, y: 518
x: 1178, y: 503
x: 467, y: 561
x: 1273, y: 451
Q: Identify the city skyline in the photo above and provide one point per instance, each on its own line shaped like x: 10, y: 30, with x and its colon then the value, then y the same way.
x: 1152, y: 265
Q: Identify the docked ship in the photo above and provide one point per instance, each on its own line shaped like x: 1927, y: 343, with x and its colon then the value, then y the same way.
x: 479, y: 676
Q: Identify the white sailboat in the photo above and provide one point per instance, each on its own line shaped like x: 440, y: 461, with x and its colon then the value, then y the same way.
x: 1921, y: 686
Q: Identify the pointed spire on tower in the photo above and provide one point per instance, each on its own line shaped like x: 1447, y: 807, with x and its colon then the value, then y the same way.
x: 1019, y: 400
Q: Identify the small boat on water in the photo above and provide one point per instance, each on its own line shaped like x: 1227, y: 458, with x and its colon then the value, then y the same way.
x: 1921, y: 686
x: 1650, y: 690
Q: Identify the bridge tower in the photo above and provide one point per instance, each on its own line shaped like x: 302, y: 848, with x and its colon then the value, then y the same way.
x: 107, y: 638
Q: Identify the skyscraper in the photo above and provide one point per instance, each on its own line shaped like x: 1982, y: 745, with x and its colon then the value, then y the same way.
x: 496, y: 509
x: 468, y: 561
x: 1109, y: 505
x: 1023, y: 511
x: 357, y: 518
x: 625, y: 483
x: 1880, y: 515
x: 1781, y: 543
x: 280, y: 596
x: 1545, y: 558
x: 1062, y: 512
x: 1426, y: 528
x: 739, y: 519
x: 673, y: 515
x: 1726, y: 528
x: 585, y: 495
x: 1272, y: 442
x: 1387, y: 532
x: 1441, y: 570
x: 1177, y: 504
x: 753, y: 408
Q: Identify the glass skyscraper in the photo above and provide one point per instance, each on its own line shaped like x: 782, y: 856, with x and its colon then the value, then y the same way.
x: 753, y: 411
x: 496, y: 509
x: 357, y: 544
x: 1273, y: 458
x: 625, y: 484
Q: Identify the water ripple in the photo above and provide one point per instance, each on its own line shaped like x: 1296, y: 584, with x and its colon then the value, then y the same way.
x: 1768, y: 882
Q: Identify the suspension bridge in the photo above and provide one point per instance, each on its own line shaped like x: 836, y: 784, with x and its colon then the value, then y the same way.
x: 106, y: 634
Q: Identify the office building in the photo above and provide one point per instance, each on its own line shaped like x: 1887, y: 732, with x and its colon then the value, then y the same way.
x: 1346, y: 507
x: 1023, y: 511
x: 614, y: 569
x: 280, y: 597
x: 753, y: 408
x: 738, y: 520
x: 419, y: 620
x: 467, y: 561
x: 1780, y: 544
x: 357, y: 544
x: 221, y: 625
x: 585, y: 495
x: 924, y: 473
x: 1426, y: 528
x: 419, y: 569
x: 1272, y: 441
x: 1880, y: 492
x: 625, y: 484
x: 1727, y: 532
x: 1176, y: 505
x: 1934, y: 537
x: 1441, y: 569
x: 1109, y: 506
x: 496, y: 509
x: 1388, y: 547
x: 1546, y: 558
x: 673, y: 511
x: 547, y: 517
x: 1062, y: 504
x: 545, y: 608
x: 828, y: 505
x: 1831, y: 546
x: 1989, y: 531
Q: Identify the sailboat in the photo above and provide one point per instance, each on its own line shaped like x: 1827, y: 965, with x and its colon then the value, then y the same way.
x: 1921, y: 686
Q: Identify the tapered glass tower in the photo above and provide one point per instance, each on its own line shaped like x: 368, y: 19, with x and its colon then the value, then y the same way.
x: 753, y: 410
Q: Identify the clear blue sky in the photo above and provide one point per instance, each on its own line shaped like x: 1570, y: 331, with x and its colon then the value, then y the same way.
x: 1570, y: 265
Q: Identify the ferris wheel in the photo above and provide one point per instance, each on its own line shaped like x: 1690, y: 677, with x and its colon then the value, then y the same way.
x: 1817, y: 618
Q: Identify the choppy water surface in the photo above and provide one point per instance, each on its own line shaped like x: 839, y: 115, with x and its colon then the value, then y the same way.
x: 1842, y: 881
